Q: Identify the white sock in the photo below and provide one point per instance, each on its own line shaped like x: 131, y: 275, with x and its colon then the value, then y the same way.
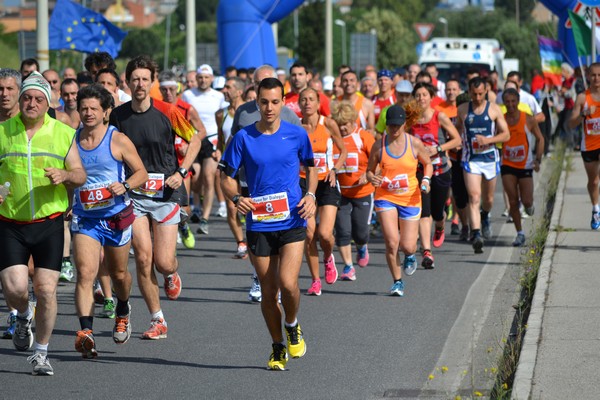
x: 27, y: 314
x: 292, y: 324
x: 158, y: 315
x: 596, y: 208
x: 221, y: 204
x: 40, y: 348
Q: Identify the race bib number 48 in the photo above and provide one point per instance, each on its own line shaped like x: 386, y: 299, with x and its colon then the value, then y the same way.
x: 96, y: 196
x: 154, y: 186
x: 271, y: 208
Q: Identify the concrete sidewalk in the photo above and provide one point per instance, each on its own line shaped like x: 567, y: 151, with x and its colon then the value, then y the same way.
x: 560, y: 358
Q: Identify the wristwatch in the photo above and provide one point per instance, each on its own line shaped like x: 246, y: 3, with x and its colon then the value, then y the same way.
x: 334, y: 169
x: 183, y: 172
x: 438, y: 149
x: 126, y: 186
x: 235, y: 199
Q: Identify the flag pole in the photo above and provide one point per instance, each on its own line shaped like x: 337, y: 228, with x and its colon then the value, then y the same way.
x: 593, y: 38
x: 43, y: 54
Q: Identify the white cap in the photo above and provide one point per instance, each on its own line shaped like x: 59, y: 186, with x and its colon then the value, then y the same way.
x: 404, y: 86
x: 281, y: 72
x: 218, y: 83
x: 328, y: 82
x: 205, y: 69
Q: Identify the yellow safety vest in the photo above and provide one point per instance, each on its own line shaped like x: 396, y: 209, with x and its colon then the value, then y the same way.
x: 22, y: 162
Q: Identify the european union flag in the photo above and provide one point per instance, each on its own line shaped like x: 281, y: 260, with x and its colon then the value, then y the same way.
x: 74, y: 27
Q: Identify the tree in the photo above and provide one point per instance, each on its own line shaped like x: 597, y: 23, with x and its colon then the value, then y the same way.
x: 520, y: 42
x: 396, y: 41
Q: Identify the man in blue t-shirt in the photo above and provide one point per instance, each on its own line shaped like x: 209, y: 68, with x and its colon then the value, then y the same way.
x: 271, y: 151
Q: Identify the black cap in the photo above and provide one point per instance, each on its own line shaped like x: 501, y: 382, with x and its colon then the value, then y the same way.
x: 395, y: 115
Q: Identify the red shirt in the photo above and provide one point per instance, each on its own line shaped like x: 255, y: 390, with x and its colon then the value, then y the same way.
x: 291, y: 102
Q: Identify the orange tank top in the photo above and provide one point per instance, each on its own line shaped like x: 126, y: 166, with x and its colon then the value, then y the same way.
x: 400, y: 185
x: 517, y: 151
x: 358, y: 145
x: 322, y: 146
x: 591, y: 125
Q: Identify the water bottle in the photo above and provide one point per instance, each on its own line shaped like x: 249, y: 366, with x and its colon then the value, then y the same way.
x: 5, y: 189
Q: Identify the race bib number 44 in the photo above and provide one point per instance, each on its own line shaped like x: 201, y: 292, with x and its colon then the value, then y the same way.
x: 154, y: 186
x: 96, y: 196
x: 271, y: 208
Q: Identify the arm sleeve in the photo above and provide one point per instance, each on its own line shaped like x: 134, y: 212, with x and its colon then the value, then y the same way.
x: 232, y: 159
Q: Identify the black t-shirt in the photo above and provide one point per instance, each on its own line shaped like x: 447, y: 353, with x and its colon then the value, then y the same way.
x: 154, y: 138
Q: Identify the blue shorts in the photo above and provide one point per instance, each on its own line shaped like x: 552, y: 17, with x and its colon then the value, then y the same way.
x: 404, y: 212
x: 98, y: 230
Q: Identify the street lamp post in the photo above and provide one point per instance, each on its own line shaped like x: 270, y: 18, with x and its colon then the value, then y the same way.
x: 167, y: 8
x: 341, y: 23
x: 444, y: 21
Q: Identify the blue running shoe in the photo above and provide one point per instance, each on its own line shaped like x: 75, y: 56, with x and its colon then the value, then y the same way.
x: 12, y: 325
x: 410, y: 264
x: 595, y: 220
x: 397, y: 288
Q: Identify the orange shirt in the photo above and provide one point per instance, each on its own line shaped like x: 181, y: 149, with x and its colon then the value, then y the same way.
x: 400, y: 185
x: 361, y: 120
x: 591, y: 125
x: 322, y: 146
x: 517, y: 152
x: 358, y: 144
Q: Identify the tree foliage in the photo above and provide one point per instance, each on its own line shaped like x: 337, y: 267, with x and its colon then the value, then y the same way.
x: 396, y: 40
x: 520, y: 42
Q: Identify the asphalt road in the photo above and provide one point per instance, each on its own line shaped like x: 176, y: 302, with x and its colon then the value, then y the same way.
x: 362, y: 343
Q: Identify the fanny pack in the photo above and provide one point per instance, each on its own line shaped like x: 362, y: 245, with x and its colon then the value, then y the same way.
x: 122, y: 220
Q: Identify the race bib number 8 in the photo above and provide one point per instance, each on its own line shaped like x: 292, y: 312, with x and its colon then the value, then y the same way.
x: 96, y: 196
x: 398, y: 185
x: 351, y: 164
x: 154, y: 186
x: 592, y: 126
x: 271, y: 208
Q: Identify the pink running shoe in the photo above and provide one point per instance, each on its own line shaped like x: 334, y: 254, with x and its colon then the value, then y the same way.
x: 315, y: 288
x: 438, y: 237
x: 362, y: 256
x: 331, y: 273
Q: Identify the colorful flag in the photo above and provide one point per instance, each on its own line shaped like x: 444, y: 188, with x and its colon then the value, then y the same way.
x: 74, y: 27
x: 551, y: 56
x: 582, y: 34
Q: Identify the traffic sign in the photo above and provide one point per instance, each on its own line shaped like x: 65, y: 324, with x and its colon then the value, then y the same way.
x: 424, y: 30
x: 591, y: 3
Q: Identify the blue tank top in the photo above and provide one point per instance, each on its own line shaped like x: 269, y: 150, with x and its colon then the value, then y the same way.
x: 93, y: 200
x: 480, y: 124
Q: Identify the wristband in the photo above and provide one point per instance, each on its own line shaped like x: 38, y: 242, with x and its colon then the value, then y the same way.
x: 439, y: 149
x: 126, y: 186
x: 426, y: 178
x: 334, y: 169
x: 311, y: 194
x: 235, y: 199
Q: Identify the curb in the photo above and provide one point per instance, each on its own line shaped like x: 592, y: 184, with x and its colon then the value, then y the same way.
x: 525, y: 368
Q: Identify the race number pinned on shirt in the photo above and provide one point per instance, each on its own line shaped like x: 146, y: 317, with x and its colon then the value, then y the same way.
x: 320, y: 162
x: 96, y: 196
x: 480, y: 149
x: 398, y: 185
x: 592, y: 126
x: 514, y: 153
x: 271, y: 208
x: 154, y: 186
x: 350, y: 165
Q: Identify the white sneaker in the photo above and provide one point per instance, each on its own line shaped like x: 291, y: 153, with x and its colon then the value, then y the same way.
x: 255, y: 294
x: 222, y: 211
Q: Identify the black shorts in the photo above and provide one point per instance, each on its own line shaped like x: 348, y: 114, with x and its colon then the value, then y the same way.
x: 264, y: 244
x: 41, y: 240
x: 433, y: 203
x: 206, y: 150
x: 591, y: 156
x: 519, y: 173
x: 325, y: 194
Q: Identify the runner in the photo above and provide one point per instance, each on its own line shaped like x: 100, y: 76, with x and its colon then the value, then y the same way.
x: 403, y: 95
x: 324, y: 135
x: 299, y: 82
x: 152, y: 125
x: 518, y: 162
x: 429, y: 130
x: 386, y: 96
x: 397, y: 189
x: 482, y: 125
x: 364, y: 107
x: 356, y: 204
x: 233, y: 90
x: 103, y: 214
x: 587, y: 112
x: 31, y: 215
x: 276, y: 212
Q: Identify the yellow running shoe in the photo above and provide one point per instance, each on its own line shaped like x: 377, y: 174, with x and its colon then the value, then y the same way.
x: 278, y: 358
x: 295, y: 341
